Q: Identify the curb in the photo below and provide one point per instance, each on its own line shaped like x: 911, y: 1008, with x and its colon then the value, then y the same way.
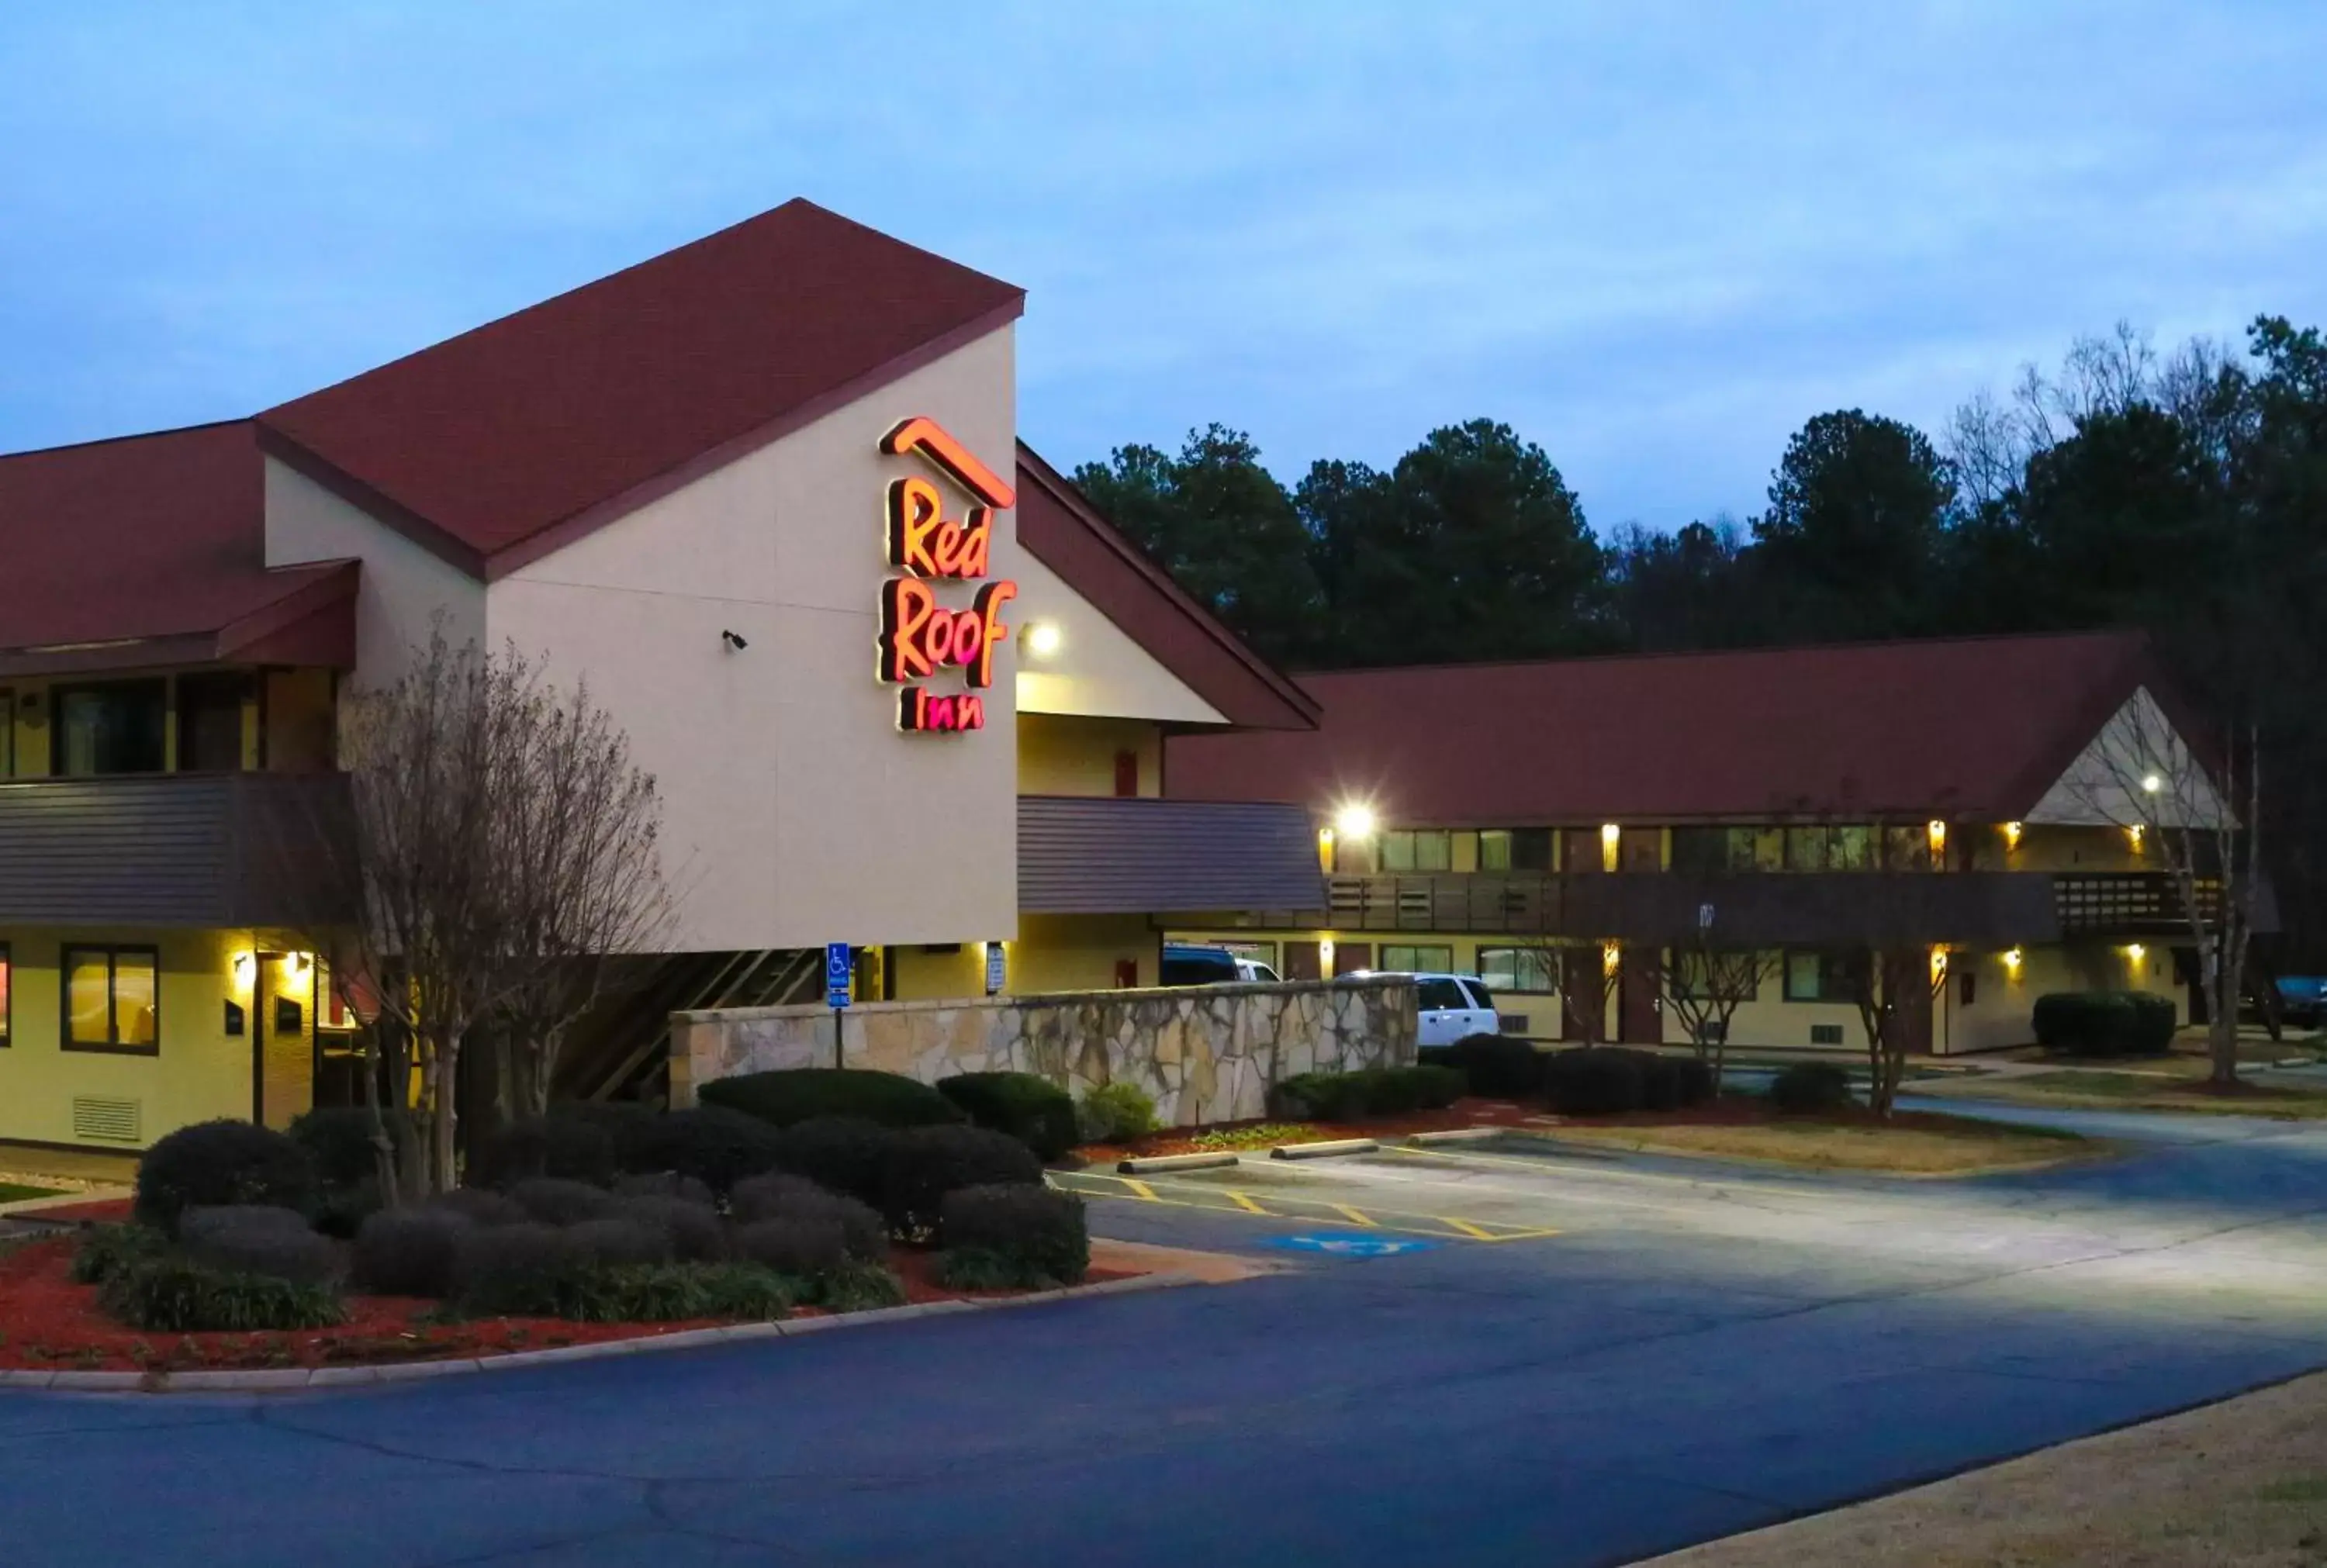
x: 1323, y: 1151
x: 31, y: 1208
x: 288, y: 1379
x: 1141, y: 1166
x: 1459, y: 1135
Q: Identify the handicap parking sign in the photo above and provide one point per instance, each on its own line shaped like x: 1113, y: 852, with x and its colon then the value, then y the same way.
x: 837, y: 967
x: 1346, y: 1246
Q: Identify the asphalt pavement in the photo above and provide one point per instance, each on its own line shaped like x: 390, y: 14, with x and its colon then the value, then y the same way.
x: 1489, y: 1356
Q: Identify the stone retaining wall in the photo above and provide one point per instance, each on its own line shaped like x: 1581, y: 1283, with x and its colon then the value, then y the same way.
x: 1204, y: 1054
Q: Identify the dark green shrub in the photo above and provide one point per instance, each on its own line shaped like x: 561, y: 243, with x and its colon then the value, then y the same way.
x: 781, y: 1197
x: 1499, y: 1067
x: 1807, y: 1088
x: 211, y: 1164
x: 106, y: 1250
x: 171, y: 1293
x: 710, y: 1144
x: 1592, y: 1080
x: 805, y: 1245
x: 1377, y: 1091
x: 552, y: 1148
x: 925, y: 1163
x: 1669, y: 1083
x: 674, y: 1293
x: 666, y: 1184
x: 692, y: 1231
x: 1037, y: 1237
x: 1698, y: 1085
x: 339, y: 1140
x: 843, y: 1153
x: 629, y: 1127
x: 526, y: 1270
x: 408, y: 1251
x: 553, y: 1201
x: 2105, y: 1023
x: 1034, y: 1110
x: 255, y: 1239
x: 804, y: 1094
x: 1435, y: 1087
x: 481, y: 1206
x: 856, y: 1287
x: 1115, y: 1114
x: 341, y: 1210
x: 619, y: 1241
x: 1319, y: 1097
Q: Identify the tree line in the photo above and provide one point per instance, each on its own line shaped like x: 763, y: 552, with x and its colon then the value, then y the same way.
x: 2184, y: 493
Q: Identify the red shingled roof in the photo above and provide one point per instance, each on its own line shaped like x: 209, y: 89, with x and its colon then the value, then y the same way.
x: 1973, y: 729
x: 155, y: 544
x: 496, y: 446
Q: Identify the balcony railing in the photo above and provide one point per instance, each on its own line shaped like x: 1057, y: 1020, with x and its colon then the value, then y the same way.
x: 189, y: 849
x: 2130, y: 903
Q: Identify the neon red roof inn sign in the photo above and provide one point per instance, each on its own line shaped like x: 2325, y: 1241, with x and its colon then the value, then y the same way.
x: 920, y: 637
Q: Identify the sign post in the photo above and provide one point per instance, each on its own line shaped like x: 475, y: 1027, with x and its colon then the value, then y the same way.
x: 837, y: 970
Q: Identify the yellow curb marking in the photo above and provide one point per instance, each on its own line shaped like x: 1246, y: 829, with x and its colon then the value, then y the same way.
x: 1242, y: 1202
x: 1141, y: 1188
x: 1095, y: 1184
x: 1468, y: 1229
x: 1355, y: 1217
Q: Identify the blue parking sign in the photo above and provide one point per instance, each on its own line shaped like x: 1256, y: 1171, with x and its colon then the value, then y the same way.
x: 836, y: 971
x: 1343, y: 1245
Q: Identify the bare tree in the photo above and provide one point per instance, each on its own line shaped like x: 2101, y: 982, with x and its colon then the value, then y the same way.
x: 1587, y: 980
x: 2202, y: 824
x: 504, y: 846
x: 1704, y: 986
x: 1883, y: 983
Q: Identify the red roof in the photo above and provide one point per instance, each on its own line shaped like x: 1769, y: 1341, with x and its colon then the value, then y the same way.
x: 155, y: 545
x: 483, y: 446
x: 1971, y: 730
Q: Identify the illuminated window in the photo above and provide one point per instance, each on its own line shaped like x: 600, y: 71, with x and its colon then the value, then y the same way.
x: 112, y: 998
x: 1528, y: 971
x: 1824, y: 977
x: 1495, y: 849
x: 1407, y: 849
x: 1405, y: 960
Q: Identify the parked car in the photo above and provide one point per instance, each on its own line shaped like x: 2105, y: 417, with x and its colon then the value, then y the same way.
x: 1452, y: 1007
x: 1254, y: 970
x: 2302, y: 999
x: 1194, y: 964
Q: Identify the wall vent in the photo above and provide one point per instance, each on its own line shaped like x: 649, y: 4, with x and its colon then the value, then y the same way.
x: 1826, y: 1034
x: 112, y: 1121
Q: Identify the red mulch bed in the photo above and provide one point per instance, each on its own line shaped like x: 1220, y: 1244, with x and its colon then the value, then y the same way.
x: 1752, y: 1111
x: 1463, y: 1113
x: 49, y: 1324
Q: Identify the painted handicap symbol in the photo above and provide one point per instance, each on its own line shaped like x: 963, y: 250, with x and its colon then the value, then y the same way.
x: 1353, y: 1246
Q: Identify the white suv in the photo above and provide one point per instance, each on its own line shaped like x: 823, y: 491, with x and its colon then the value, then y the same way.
x: 1453, y: 1007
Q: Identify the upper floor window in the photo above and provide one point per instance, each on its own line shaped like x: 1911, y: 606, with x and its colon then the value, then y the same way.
x: 118, y: 727
x: 1417, y: 849
x: 210, y: 722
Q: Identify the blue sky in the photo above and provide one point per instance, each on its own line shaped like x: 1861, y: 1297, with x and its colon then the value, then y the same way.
x: 1654, y: 237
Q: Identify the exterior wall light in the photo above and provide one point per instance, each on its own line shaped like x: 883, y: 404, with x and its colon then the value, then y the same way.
x: 2150, y: 783
x: 1611, y: 958
x: 1325, y: 957
x: 1043, y: 637
x: 2134, y: 953
x: 1611, y: 838
x: 302, y: 962
x: 1935, y: 832
x: 1356, y: 820
x: 245, y: 966
x: 2132, y: 836
x: 1325, y: 849
x: 1938, y: 967
x: 2011, y: 957
x: 2012, y: 831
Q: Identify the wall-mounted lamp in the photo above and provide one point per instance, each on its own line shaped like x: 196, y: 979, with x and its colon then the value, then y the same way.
x: 1356, y: 820
x: 2134, y: 953
x: 2132, y: 836
x: 1611, y: 836
x: 2011, y: 957
x: 1325, y: 849
x: 302, y: 962
x: 1325, y: 956
x: 2012, y: 831
x: 1938, y: 967
x: 1611, y: 958
x: 1043, y: 637
x: 245, y: 966
x: 1935, y: 832
x: 735, y: 640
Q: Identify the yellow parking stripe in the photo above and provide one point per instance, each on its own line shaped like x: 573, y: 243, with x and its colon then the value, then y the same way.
x: 1233, y: 1200
x: 1354, y: 1217
x: 1474, y: 1232
x: 1242, y: 1202
x: 1140, y: 1189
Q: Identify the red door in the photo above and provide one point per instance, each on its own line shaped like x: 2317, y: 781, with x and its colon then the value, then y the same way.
x: 1349, y: 957
x: 1639, y: 1017
x: 1582, y: 1002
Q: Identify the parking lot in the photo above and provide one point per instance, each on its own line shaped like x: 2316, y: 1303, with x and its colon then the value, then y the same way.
x: 1628, y: 1356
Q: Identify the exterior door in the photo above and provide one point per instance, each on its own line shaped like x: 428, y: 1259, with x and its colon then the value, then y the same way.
x: 1639, y: 1015
x: 1581, y: 1020
x: 1302, y: 962
x: 1908, y: 986
x: 1349, y: 957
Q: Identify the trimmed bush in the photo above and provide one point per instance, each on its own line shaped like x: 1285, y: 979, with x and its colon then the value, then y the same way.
x: 1431, y: 1085
x: 1318, y: 1097
x: 1670, y: 1083
x: 1034, y: 1110
x: 555, y: 1148
x: 1115, y: 1114
x: 926, y: 1163
x: 171, y: 1293
x: 408, y: 1251
x: 856, y: 1287
x: 780, y: 1197
x: 213, y: 1164
x: 1592, y: 1081
x: 339, y: 1141
x: 1378, y: 1091
x: 620, y: 1241
x: 518, y: 1270
x: 255, y: 1240
x: 481, y: 1206
x: 629, y: 1127
x: 675, y: 1291
x: 1497, y: 1066
x: 1037, y: 1237
x: 803, y: 1094
x: 692, y: 1230
x: 553, y: 1201
x: 2105, y: 1023
x: 106, y: 1250
x: 341, y: 1210
x: 843, y: 1153
x: 1810, y: 1088
x: 710, y: 1144
x: 804, y: 1246
x: 666, y: 1184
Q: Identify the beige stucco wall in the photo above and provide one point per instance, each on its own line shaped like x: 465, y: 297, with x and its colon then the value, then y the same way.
x: 795, y: 812
x: 1203, y: 1054
x: 1097, y: 669
x: 404, y: 586
x: 1066, y: 755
